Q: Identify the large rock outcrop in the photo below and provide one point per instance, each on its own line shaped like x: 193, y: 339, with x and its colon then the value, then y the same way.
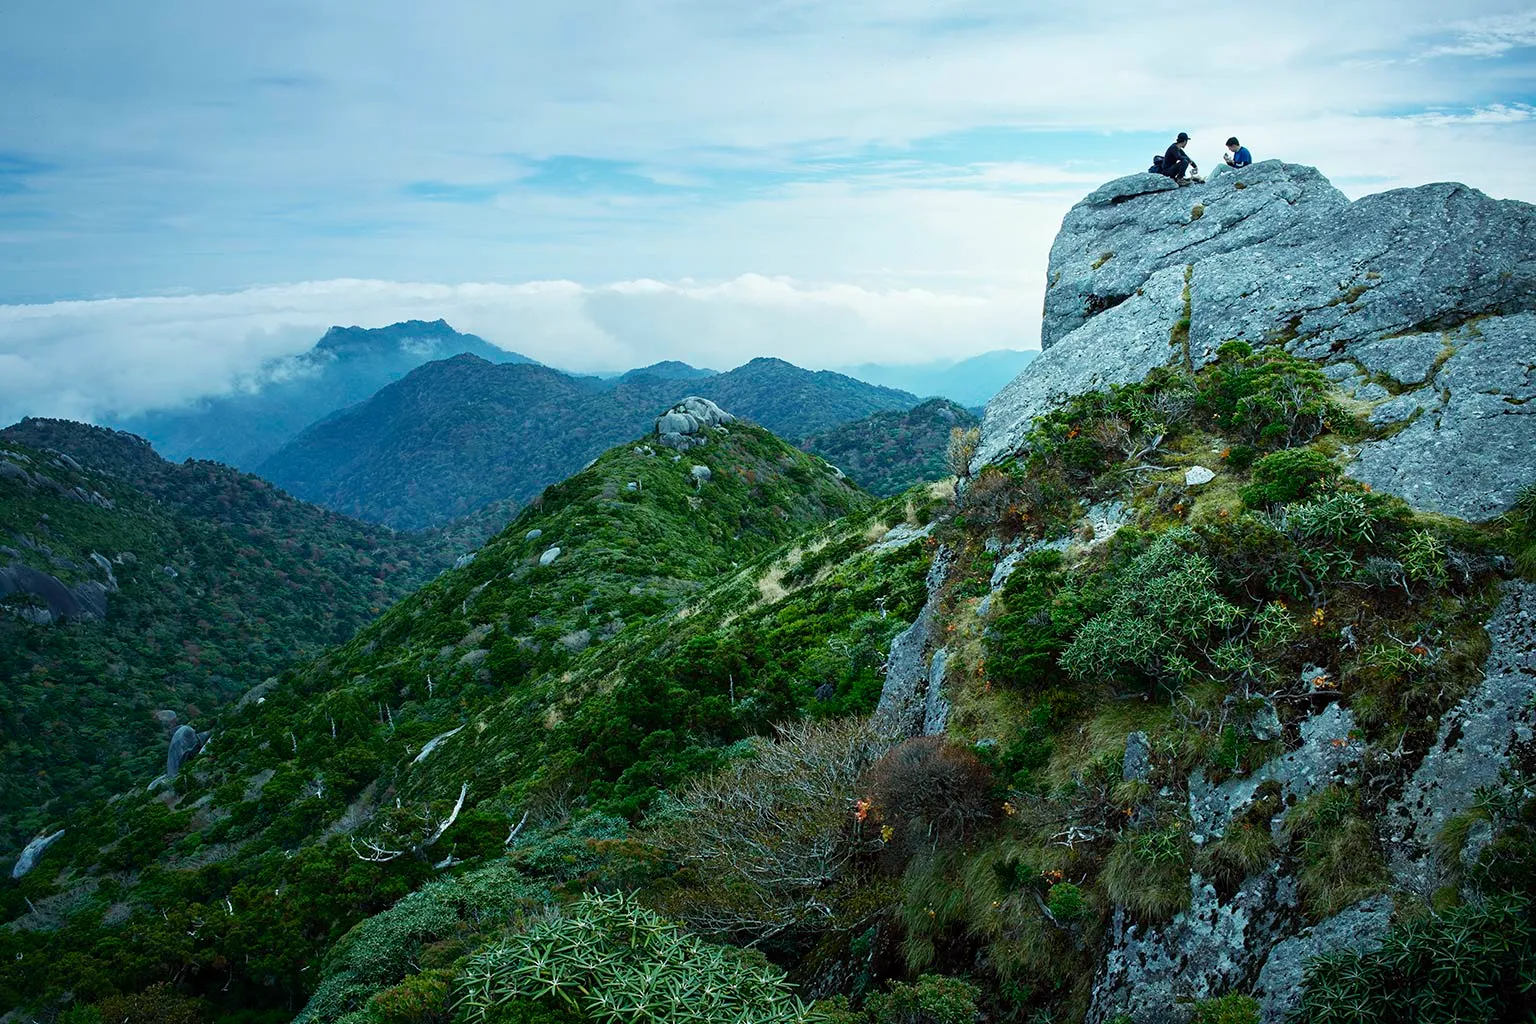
x: 685, y: 425
x: 1429, y: 290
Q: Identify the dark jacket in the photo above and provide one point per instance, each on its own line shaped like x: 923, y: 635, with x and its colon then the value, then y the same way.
x: 1175, y: 161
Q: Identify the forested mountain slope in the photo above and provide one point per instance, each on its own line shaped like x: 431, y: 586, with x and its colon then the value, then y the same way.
x: 890, y: 451
x: 141, y: 593
x: 345, y: 366
x: 456, y: 434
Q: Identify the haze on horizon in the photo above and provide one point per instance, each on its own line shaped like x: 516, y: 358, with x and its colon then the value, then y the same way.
x: 189, y: 191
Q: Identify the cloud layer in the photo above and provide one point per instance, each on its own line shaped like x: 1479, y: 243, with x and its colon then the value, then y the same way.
x: 86, y: 360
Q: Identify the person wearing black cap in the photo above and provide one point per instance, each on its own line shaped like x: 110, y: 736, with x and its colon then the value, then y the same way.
x: 1175, y: 161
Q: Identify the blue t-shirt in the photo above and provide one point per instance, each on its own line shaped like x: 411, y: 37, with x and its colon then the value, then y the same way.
x: 1242, y: 158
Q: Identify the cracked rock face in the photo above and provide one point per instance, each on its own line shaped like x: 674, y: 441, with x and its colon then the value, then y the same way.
x: 1433, y: 288
x: 1473, y: 744
x: 1471, y: 444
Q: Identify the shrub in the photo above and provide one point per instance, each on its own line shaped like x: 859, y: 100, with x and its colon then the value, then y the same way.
x: 420, y: 999
x: 1229, y: 1009
x: 1520, y: 529
x: 611, y: 960
x: 926, y: 794
x: 1286, y: 476
x: 1472, y: 963
x: 1423, y: 558
x: 1346, y: 518
x: 962, y: 445
x: 158, y: 1004
x: 1271, y: 400
x: 1164, y: 611
x: 768, y: 834
x: 1065, y: 901
x: 932, y: 999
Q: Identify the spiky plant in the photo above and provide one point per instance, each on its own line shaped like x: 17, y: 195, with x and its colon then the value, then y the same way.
x: 612, y: 960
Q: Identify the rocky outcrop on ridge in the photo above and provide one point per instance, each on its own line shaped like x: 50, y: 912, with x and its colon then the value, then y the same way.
x: 1418, y: 301
x: 685, y: 425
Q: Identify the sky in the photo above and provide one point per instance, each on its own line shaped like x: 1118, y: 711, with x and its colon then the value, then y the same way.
x: 189, y: 190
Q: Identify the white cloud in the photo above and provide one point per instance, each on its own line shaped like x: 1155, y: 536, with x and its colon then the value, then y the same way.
x: 86, y: 359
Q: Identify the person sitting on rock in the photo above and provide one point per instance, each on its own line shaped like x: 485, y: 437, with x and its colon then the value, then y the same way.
x: 1176, y: 163
x: 1237, y: 154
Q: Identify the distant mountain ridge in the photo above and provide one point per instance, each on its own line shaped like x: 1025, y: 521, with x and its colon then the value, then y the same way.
x: 345, y: 366
x: 455, y: 434
x: 971, y: 382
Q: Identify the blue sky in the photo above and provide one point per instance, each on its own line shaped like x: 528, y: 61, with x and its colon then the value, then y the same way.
x: 605, y: 184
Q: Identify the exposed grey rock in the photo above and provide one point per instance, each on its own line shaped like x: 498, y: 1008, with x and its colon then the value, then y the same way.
x: 10, y: 471
x: 1136, y: 765
x: 533, y: 535
x: 1371, y: 283
x: 936, y: 705
x: 682, y: 427
x: 1401, y: 408
x: 1118, y: 346
x: 903, y: 707
x: 185, y: 742
x: 549, y: 556
x: 901, y: 535
x: 1154, y: 973
x: 52, y: 599
x: 1265, y: 722
x: 1370, y: 391
x: 1360, y: 928
x: 170, y: 570
x: 1471, y: 452
x: 32, y: 852
x: 633, y: 485
x: 1328, y: 753
x: 700, y: 474
x: 1473, y: 744
x: 1011, y: 561
x: 463, y: 560
x: 1144, y: 226
x: 1407, y: 359
x: 1198, y: 476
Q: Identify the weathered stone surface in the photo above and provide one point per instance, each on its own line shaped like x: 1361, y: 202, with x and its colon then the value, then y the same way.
x: 700, y: 474
x: 683, y: 426
x: 1370, y: 284
x: 936, y: 705
x: 54, y: 600
x: 1118, y: 346
x: 1360, y: 928
x: 1474, y: 448
x: 533, y: 535
x: 463, y: 560
x: 1474, y: 742
x: 903, y: 707
x: 1145, y: 223
x: 549, y: 556
x: 1136, y: 765
x: 1154, y: 973
x: 185, y: 742
x: 32, y: 851
x: 1198, y: 476
x: 1327, y: 753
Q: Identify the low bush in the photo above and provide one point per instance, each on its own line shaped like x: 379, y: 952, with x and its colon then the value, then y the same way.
x: 1286, y: 476
x: 1228, y: 1009
x: 924, y: 795
x: 931, y: 999
x: 1470, y: 964
x: 1147, y: 872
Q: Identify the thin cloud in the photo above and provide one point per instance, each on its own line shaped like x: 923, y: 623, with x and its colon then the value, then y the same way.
x: 87, y: 360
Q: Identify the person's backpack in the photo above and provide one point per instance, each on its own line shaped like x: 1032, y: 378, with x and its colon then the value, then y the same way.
x: 1157, y: 165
